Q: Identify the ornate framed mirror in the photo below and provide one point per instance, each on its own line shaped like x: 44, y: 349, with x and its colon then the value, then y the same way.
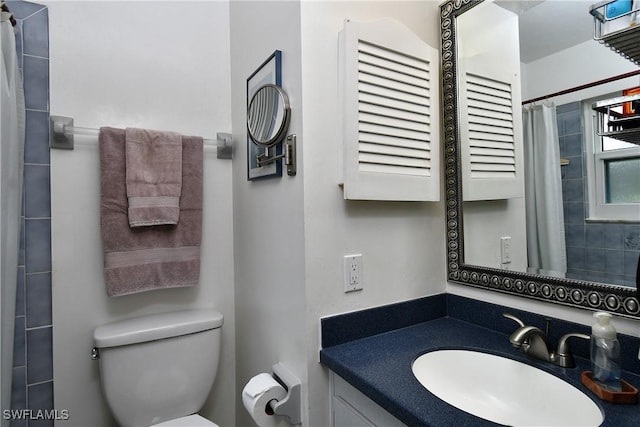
x: 592, y: 295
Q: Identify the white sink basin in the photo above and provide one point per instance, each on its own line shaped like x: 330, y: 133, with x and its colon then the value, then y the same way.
x: 504, y: 391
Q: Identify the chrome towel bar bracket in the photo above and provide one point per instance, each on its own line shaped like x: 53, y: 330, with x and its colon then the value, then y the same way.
x: 62, y: 131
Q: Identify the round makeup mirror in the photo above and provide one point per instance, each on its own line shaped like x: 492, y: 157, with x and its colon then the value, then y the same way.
x: 268, y: 115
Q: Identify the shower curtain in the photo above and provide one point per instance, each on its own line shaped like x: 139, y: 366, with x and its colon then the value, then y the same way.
x: 12, y: 123
x: 546, y: 249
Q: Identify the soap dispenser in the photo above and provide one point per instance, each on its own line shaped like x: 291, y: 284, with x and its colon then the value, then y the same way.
x: 605, y: 353
x: 635, y: 15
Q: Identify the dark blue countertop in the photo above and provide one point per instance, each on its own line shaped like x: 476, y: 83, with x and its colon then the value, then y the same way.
x: 380, y: 367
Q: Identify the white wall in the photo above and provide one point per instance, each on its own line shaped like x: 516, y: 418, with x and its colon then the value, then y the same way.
x: 156, y: 65
x: 402, y: 242
x: 302, y: 225
x: 485, y: 222
x: 268, y: 214
x: 584, y: 63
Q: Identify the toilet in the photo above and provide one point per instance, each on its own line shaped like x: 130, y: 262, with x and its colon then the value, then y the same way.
x: 158, y: 369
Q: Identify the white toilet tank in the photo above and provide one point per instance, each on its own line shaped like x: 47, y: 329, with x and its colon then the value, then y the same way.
x: 158, y: 367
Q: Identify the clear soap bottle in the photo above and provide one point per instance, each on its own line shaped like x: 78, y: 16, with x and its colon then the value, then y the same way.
x: 635, y: 14
x: 605, y: 353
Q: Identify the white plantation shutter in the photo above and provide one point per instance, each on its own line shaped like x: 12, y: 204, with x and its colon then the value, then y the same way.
x: 389, y: 113
x: 490, y: 132
x: 491, y: 137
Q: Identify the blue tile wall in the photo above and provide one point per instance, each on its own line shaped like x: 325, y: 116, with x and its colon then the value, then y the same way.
x: 602, y: 252
x: 40, y: 398
x: 32, y: 386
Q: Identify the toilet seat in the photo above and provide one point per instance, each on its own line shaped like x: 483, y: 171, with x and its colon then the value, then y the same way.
x: 194, y: 420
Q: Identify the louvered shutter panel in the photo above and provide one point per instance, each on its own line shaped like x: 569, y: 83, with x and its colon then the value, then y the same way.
x: 389, y: 113
x: 490, y: 132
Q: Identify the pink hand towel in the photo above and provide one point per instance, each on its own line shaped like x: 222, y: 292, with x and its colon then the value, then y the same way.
x: 147, y: 258
x: 154, y: 176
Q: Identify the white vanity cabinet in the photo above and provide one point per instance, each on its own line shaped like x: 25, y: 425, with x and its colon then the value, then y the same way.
x: 351, y: 408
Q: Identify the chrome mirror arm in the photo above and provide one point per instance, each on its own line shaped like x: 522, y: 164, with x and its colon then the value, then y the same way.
x: 289, y: 156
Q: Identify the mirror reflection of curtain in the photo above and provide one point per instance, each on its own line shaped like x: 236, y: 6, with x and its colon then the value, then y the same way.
x: 546, y: 249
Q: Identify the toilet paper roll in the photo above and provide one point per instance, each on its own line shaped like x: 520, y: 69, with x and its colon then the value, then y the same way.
x: 258, y: 392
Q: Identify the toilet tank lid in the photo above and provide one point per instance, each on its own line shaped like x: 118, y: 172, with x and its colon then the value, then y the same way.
x: 156, y: 327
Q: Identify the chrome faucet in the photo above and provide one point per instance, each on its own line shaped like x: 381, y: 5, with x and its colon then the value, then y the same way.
x: 533, y: 342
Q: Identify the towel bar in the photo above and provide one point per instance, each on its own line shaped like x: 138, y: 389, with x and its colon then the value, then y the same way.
x: 62, y: 130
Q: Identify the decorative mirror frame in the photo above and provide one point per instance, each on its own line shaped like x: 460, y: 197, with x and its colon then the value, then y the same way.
x: 570, y: 292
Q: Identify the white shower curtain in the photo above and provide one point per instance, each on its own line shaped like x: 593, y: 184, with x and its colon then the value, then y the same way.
x: 12, y: 122
x: 546, y: 248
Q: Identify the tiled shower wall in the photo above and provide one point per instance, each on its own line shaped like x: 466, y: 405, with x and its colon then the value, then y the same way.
x: 33, y: 359
x: 597, y: 251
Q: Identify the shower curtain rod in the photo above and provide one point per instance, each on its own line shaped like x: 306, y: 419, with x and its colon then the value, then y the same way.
x: 584, y: 86
x: 62, y: 131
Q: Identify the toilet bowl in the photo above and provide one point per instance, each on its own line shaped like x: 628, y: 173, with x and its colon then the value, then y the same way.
x: 159, y: 369
x: 188, y: 421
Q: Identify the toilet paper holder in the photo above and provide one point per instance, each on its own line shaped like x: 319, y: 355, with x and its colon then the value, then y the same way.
x: 290, y: 405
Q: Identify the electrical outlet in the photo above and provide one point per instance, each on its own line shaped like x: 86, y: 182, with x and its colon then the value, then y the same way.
x: 505, y: 251
x: 352, y: 272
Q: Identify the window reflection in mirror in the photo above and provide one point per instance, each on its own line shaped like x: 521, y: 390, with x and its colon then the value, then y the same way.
x: 614, y: 165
